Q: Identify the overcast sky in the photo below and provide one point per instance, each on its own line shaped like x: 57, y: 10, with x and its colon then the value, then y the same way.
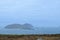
x: 36, y: 12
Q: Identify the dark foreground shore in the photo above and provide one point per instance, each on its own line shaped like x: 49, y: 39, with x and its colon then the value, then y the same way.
x: 30, y: 37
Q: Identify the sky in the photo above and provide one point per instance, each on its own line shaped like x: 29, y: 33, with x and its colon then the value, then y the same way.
x: 39, y: 13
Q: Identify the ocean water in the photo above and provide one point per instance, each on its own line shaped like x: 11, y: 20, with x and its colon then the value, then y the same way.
x: 38, y: 31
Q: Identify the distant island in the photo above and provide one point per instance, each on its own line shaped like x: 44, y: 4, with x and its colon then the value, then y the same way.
x: 19, y: 26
